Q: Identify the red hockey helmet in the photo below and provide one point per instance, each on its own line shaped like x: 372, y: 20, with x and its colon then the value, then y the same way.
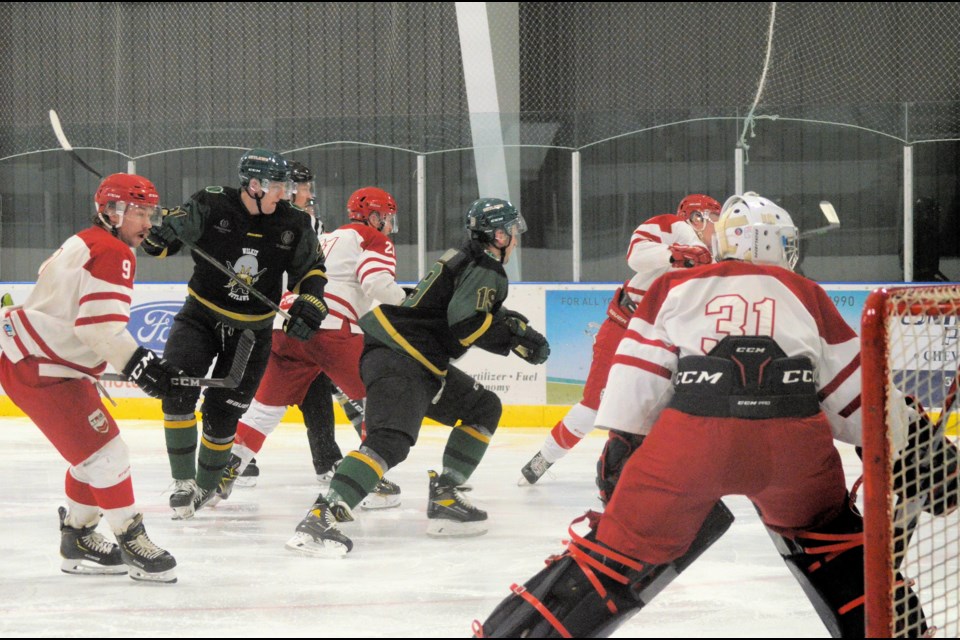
x: 370, y: 200
x: 128, y: 188
x: 697, y: 202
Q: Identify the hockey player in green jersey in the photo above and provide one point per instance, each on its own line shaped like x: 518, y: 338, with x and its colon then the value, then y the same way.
x: 259, y: 236
x: 406, y: 368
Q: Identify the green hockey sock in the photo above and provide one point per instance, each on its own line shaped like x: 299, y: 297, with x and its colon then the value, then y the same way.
x: 465, y: 448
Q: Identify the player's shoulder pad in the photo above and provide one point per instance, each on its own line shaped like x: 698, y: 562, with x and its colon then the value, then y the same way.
x: 214, y: 189
x: 453, y: 259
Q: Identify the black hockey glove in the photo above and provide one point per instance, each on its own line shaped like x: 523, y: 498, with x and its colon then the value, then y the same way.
x: 306, y: 314
x: 151, y: 373
x: 618, y: 449
x: 162, y: 237
x: 528, y: 343
x: 928, y: 467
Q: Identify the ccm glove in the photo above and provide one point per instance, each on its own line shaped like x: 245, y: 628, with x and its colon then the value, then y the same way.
x: 618, y: 449
x: 528, y: 343
x: 306, y: 314
x: 151, y: 373
x: 684, y: 256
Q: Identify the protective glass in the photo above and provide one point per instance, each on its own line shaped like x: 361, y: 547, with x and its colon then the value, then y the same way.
x: 285, y: 187
x: 698, y: 219
x: 135, y: 211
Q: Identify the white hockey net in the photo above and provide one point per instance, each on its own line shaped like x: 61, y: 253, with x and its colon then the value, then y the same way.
x: 910, y: 349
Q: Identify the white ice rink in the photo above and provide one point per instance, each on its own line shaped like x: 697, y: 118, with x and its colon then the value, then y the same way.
x: 237, y: 580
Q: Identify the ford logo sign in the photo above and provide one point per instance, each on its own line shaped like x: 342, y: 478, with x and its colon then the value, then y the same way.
x: 150, y: 323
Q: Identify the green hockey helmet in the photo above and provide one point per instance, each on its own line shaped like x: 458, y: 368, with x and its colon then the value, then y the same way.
x: 264, y: 165
x: 486, y: 215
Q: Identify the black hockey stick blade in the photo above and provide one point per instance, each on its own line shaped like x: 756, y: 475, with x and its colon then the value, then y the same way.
x: 62, y: 139
x: 237, y: 368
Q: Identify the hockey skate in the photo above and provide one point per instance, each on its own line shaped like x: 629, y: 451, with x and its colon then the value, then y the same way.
x: 187, y: 498
x: 384, y: 496
x: 86, y: 552
x: 534, y: 470
x: 318, y: 535
x: 227, y: 480
x: 450, y: 513
x: 249, y: 476
x: 145, y: 560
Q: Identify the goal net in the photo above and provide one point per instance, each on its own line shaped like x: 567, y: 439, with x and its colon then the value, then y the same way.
x: 912, y: 536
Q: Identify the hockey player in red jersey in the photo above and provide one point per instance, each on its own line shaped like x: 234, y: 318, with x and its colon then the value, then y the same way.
x: 361, y: 270
x: 56, y: 344
x: 661, y: 244
x: 731, y: 379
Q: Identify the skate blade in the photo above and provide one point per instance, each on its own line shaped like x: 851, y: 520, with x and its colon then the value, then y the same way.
x: 442, y: 528
x: 165, y: 577
x: 183, y: 513
x: 85, y: 567
x: 246, y: 481
x: 304, y: 544
x: 214, y: 501
x: 377, y: 501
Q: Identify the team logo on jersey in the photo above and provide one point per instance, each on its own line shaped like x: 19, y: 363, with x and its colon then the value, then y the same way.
x: 287, y: 238
x: 150, y: 323
x: 98, y: 421
x: 223, y: 226
x: 8, y: 329
x: 248, y: 271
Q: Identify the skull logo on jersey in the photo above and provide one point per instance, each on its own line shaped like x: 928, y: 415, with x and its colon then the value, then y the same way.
x: 248, y: 271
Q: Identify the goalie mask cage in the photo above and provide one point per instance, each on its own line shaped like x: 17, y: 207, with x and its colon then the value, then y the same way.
x: 910, y: 347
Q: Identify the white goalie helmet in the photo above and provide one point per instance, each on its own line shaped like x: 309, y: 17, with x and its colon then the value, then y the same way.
x: 754, y: 229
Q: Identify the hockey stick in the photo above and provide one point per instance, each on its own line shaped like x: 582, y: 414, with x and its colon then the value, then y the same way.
x: 831, y: 215
x: 62, y: 139
x: 911, y: 503
x: 237, y: 368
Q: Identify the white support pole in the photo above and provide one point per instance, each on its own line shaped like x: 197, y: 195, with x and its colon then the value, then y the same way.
x: 908, y: 238
x: 738, y: 171
x: 421, y: 216
x: 131, y: 166
x: 577, y: 221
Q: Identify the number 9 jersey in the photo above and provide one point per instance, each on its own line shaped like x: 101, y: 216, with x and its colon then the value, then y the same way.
x: 75, y: 318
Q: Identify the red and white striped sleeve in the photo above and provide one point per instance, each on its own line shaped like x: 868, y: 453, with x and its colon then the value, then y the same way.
x: 105, y: 291
x: 377, y: 268
x: 640, y: 384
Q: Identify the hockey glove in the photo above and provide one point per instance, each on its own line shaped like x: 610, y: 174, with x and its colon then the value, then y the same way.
x: 618, y: 449
x: 683, y: 256
x: 163, y: 236
x: 151, y: 373
x: 528, y: 343
x: 306, y: 314
x: 927, y: 467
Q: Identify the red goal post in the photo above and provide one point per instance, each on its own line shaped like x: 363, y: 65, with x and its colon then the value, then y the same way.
x: 909, y: 347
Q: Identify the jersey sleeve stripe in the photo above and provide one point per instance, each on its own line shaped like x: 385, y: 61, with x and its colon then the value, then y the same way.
x: 840, y: 378
x: 646, y: 365
x: 106, y: 295
x: 371, y: 272
x: 470, y: 339
x: 80, y: 322
x: 851, y: 408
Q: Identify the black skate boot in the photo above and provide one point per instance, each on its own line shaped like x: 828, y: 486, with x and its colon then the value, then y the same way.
x: 86, y: 552
x: 250, y: 475
x: 228, y: 479
x: 450, y: 513
x: 145, y: 560
x: 384, y: 496
x: 534, y: 470
x: 318, y: 535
